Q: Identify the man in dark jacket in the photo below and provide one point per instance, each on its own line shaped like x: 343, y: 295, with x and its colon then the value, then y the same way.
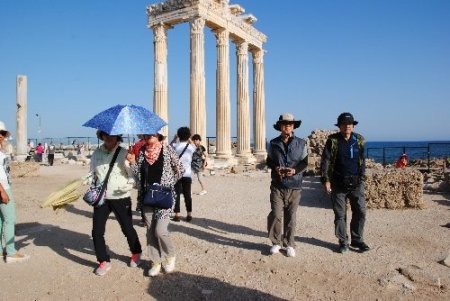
x: 287, y: 158
x: 343, y: 171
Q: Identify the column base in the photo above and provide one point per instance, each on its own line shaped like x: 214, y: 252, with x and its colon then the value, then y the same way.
x: 20, y: 158
x: 260, y: 156
x: 245, y: 158
x: 221, y: 163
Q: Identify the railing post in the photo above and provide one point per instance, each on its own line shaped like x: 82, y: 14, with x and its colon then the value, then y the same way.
x: 384, y: 156
x: 428, y: 157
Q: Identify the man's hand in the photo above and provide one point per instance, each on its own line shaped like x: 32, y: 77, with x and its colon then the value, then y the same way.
x: 285, y: 171
x: 327, y: 187
x: 289, y: 172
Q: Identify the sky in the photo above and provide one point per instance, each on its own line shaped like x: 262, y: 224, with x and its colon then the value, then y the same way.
x: 385, y: 61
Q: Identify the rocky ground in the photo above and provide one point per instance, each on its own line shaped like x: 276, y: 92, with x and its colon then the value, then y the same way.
x: 223, y: 253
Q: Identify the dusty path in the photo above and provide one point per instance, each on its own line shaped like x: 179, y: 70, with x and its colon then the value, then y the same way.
x: 223, y: 253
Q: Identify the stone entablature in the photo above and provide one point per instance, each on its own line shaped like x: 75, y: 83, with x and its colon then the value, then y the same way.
x: 217, y: 14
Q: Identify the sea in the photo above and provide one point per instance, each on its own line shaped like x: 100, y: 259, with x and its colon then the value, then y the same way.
x: 387, y: 152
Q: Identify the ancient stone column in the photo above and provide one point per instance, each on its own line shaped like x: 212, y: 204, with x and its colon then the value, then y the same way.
x: 223, y: 136
x: 160, y: 96
x: 21, y: 118
x: 198, y: 104
x: 243, y: 111
x: 259, y: 124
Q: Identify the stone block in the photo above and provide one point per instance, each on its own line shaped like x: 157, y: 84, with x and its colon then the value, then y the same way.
x: 394, y: 188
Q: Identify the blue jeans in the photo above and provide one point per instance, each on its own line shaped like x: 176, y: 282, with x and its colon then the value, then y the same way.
x: 7, y: 222
x: 358, y: 205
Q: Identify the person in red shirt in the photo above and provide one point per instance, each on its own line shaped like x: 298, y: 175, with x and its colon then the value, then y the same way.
x: 137, y: 146
x: 39, y: 152
x: 402, y: 162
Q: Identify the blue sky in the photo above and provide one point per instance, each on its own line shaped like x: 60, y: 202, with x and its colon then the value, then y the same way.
x: 386, y: 61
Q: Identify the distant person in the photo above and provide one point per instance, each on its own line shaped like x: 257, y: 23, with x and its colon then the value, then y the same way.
x: 199, y: 162
x: 287, y: 157
x: 51, y: 154
x: 81, y: 149
x: 402, y: 161
x: 117, y: 200
x: 7, y: 204
x: 158, y: 163
x: 185, y: 150
x: 343, y: 171
x: 45, y: 153
x: 39, y: 152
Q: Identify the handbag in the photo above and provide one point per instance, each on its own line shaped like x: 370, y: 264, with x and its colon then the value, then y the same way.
x: 95, y: 195
x: 158, y: 196
x: 350, y: 182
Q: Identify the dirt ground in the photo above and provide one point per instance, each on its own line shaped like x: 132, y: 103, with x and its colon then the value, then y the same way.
x: 223, y: 254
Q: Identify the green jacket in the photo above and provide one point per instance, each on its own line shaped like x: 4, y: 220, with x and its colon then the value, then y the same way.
x: 329, y: 155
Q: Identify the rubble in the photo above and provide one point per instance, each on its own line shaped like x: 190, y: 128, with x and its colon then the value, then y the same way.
x: 24, y: 169
x: 394, y: 188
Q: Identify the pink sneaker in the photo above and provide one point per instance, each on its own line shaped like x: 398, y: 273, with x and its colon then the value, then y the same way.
x: 103, y: 268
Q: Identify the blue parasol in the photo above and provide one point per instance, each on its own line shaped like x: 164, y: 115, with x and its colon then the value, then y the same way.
x: 126, y: 119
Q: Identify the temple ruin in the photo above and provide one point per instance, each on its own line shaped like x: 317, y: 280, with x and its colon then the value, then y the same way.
x: 228, y: 22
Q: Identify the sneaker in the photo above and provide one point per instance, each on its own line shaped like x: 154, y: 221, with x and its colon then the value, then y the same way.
x: 275, y: 249
x: 362, y: 246
x: 17, y: 257
x: 188, y: 218
x: 155, y: 269
x: 290, y: 252
x: 169, y: 267
x: 135, y: 260
x: 203, y: 192
x: 343, y: 248
x: 176, y: 218
x: 103, y: 268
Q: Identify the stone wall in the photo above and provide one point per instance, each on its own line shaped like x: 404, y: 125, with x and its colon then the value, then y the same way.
x: 316, y: 143
x: 394, y: 188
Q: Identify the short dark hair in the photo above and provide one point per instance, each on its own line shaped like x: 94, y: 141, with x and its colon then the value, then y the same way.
x: 184, y: 133
x: 101, y: 133
x: 196, y: 137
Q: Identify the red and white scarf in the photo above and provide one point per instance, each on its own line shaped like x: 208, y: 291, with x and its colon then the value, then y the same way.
x: 152, y: 152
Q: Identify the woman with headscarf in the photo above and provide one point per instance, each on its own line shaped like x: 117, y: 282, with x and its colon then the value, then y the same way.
x: 158, y: 163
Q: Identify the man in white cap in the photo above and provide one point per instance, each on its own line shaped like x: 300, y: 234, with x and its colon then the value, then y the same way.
x: 287, y: 158
x: 7, y: 205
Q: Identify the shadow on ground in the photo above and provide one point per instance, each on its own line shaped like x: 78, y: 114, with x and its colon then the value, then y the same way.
x: 182, y: 286
x: 218, y: 233
x: 62, y: 241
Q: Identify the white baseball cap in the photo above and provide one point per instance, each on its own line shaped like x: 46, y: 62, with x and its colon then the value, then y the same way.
x: 3, y: 129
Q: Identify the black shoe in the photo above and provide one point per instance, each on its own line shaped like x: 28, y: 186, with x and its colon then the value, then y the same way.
x: 362, y: 246
x: 343, y: 248
x: 188, y: 218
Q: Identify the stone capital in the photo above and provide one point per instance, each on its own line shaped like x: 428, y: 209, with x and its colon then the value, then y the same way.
x: 242, y: 48
x: 222, y: 36
x: 197, y: 25
x: 258, y: 56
